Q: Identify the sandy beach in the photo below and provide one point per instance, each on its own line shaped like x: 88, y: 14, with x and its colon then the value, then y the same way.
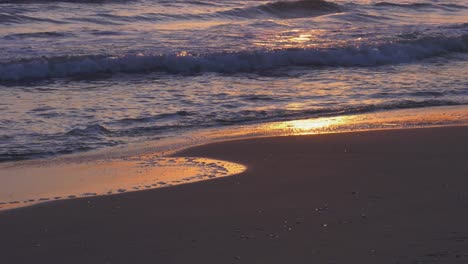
x: 233, y: 131
x: 393, y: 196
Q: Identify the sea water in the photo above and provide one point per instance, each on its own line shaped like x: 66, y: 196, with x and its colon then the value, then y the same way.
x: 78, y: 75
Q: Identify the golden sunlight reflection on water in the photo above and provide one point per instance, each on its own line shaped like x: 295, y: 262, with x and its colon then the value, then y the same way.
x: 437, y: 116
x: 406, y: 118
x: 311, y: 126
x: 145, y: 166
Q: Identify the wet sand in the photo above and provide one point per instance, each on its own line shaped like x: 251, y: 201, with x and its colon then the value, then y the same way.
x: 394, y: 196
x: 28, y: 183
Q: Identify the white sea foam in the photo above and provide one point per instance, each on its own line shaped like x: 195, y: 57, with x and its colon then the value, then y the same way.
x: 245, y: 61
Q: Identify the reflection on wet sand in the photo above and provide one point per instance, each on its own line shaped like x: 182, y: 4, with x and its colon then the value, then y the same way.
x: 32, y: 182
x: 147, y: 165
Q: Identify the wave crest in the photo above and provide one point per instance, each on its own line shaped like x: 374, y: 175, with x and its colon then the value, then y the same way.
x: 245, y: 61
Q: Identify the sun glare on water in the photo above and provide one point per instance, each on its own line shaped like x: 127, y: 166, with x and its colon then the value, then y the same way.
x: 312, y: 126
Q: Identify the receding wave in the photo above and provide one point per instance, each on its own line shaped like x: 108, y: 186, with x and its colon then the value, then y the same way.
x: 286, y: 9
x: 281, y: 114
x: 94, y: 136
x: 402, y: 51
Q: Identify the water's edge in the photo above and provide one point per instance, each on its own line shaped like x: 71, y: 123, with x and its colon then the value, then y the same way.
x: 161, y: 155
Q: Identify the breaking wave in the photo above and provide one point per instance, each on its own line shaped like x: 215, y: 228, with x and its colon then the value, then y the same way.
x: 246, y: 61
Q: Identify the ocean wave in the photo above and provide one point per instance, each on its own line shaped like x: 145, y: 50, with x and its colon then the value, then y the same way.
x: 282, y: 114
x: 420, y: 5
x: 395, y: 52
x: 286, y: 9
x: 147, y: 126
x: 91, y: 130
x: 45, y: 34
x: 148, y: 17
x: 410, y: 5
x: 6, y: 18
x: 434, y: 94
x: 5, y: 137
x: 199, y: 3
x: 281, y: 9
x: 195, y: 3
x: 148, y: 119
x: 62, y: 1
x: 455, y: 6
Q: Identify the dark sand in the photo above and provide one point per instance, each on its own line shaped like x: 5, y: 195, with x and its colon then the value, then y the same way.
x: 397, y: 196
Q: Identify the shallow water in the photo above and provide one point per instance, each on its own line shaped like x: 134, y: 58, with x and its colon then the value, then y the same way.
x: 78, y: 75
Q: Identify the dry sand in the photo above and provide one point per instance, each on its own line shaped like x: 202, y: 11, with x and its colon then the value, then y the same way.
x: 396, y: 196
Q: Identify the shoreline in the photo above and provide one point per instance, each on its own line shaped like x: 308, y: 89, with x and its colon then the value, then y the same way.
x: 380, y: 120
x: 104, y: 163
x: 434, y: 116
x: 174, y: 172
x: 303, y: 199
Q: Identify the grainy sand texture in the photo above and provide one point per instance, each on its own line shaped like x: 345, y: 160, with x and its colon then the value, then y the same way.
x: 393, y: 196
